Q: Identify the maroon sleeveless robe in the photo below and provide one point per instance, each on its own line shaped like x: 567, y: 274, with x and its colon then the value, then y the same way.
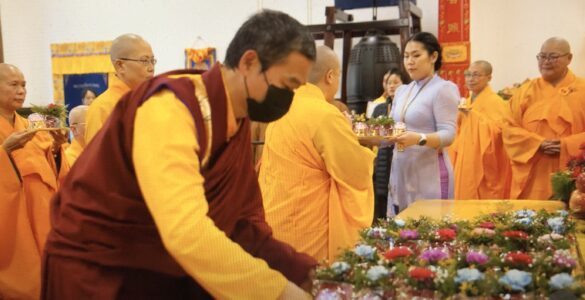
x: 104, y: 243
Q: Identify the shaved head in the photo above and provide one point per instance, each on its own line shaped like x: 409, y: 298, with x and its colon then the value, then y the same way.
x: 133, y: 59
x: 554, y: 59
x: 125, y: 45
x: 326, y: 72
x: 478, y: 76
x: 77, y: 114
x: 77, y: 123
x: 559, y: 43
x: 326, y: 60
x: 12, y: 89
x: 7, y: 69
x: 485, y: 66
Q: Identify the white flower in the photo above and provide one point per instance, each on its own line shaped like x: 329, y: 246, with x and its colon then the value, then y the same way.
x: 440, y: 273
x: 399, y: 222
x: 563, y: 213
x: 377, y: 232
x: 549, y: 238
x: 377, y: 272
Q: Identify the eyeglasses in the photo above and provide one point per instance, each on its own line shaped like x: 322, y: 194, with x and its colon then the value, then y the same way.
x: 550, y: 57
x: 472, y: 75
x: 145, y: 61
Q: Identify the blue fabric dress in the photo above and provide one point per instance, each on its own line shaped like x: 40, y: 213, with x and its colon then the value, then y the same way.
x: 421, y: 172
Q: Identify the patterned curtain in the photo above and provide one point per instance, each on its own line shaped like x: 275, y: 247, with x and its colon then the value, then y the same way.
x: 454, y: 38
x: 78, y: 58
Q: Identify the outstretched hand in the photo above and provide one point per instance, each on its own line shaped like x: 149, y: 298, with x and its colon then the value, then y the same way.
x: 17, y: 140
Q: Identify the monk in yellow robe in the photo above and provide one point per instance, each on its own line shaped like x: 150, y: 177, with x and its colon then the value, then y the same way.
x: 182, y: 217
x: 316, y: 179
x: 480, y: 164
x: 546, y: 122
x: 77, y: 125
x: 28, y: 180
x: 134, y: 62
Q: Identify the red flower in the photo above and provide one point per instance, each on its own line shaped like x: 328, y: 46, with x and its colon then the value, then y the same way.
x: 397, y: 252
x: 446, y: 234
x: 419, y: 273
x: 518, y: 258
x: 516, y: 234
x: 487, y: 225
x: 51, y: 105
x: 576, y: 172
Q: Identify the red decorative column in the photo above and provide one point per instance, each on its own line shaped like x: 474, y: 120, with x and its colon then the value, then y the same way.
x: 454, y: 37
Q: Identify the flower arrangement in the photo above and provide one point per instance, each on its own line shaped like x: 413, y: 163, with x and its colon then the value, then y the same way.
x: 50, y: 116
x: 442, y: 259
x: 507, y: 92
x: 564, y: 181
x: 379, y: 126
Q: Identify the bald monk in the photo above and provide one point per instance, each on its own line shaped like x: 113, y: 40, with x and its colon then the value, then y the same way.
x: 134, y: 62
x: 28, y: 180
x: 164, y: 202
x: 481, y: 166
x: 77, y: 125
x: 546, y: 122
x: 315, y: 177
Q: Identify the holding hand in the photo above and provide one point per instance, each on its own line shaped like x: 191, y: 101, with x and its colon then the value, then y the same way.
x: 551, y: 147
x: 408, y: 138
x: 59, y: 138
x: 17, y: 140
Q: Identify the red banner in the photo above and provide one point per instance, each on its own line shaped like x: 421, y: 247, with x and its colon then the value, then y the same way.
x: 454, y: 38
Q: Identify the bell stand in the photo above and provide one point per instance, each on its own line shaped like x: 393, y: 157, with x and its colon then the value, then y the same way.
x: 406, y: 25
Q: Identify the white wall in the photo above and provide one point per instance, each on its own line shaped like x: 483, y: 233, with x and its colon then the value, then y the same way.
x: 509, y: 33
x: 506, y: 32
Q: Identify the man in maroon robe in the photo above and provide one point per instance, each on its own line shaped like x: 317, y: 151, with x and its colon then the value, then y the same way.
x: 164, y: 202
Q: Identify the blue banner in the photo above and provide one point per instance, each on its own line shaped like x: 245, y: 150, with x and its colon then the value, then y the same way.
x: 74, y: 84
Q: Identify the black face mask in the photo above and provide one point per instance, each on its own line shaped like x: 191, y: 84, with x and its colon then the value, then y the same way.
x: 275, y: 104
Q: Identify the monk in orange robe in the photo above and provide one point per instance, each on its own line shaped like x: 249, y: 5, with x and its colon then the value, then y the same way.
x: 77, y: 125
x: 480, y: 164
x: 315, y: 176
x: 134, y: 62
x: 28, y: 180
x: 546, y: 122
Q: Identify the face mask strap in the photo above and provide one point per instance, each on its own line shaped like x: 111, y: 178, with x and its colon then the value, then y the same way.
x: 246, y: 87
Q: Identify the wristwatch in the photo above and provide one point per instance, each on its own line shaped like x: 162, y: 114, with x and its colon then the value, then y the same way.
x: 423, y: 139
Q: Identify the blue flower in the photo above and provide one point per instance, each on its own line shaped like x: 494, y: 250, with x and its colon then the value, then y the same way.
x: 557, y: 224
x: 377, y: 272
x: 563, y: 213
x: 399, y: 222
x: 340, y: 267
x: 468, y: 275
x: 561, y: 281
x: 524, y: 221
x: 365, y: 251
x: 525, y: 213
x: 516, y: 280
